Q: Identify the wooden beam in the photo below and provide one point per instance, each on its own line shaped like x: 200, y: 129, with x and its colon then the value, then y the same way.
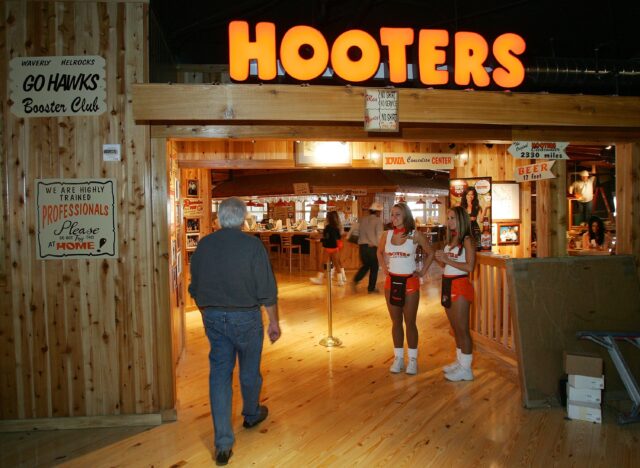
x: 551, y: 213
x: 425, y: 133
x: 265, y: 103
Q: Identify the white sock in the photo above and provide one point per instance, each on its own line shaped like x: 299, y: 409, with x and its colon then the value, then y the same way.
x: 458, y: 353
x: 466, y: 360
x: 413, y: 353
x: 398, y: 352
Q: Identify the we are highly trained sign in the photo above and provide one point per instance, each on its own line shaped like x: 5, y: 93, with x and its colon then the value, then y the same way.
x: 76, y: 218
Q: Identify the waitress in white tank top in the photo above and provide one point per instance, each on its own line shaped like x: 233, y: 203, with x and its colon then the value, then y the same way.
x: 397, y: 257
x: 458, y: 259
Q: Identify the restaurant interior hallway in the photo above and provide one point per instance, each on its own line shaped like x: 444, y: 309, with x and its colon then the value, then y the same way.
x: 341, y: 407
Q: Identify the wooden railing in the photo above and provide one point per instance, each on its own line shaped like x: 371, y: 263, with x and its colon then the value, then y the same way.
x: 490, y: 313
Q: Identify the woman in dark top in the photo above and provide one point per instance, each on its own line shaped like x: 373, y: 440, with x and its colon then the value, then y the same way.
x: 332, y: 244
x: 596, y: 238
x: 471, y: 204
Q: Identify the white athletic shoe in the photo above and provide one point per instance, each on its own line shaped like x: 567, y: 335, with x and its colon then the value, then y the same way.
x: 451, y: 367
x: 317, y: 279
x: 397, y: 366
x: 412, y: 366
x: 459, y: 374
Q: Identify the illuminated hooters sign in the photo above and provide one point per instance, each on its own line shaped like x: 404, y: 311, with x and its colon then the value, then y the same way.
x: 471, y: 52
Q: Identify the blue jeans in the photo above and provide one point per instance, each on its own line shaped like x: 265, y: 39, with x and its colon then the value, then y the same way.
x: 233, y: 334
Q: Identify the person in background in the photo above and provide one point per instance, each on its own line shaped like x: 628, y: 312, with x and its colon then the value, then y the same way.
x: 397, y: 256
x: 458, y: 259
x: 369, y: 232
x: 596, y: 238
x: 332, y: 244
x: 471, y: 204
x: 231, y: 278
x: 583, y: 191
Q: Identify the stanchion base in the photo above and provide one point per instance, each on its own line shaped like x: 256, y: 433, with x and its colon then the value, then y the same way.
x: 330, y: 341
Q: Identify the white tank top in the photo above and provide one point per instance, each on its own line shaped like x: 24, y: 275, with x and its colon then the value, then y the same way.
x: 401, y: 258
x: 457, y: 254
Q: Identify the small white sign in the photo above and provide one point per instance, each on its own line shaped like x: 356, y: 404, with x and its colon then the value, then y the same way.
x: 111, y: 152
x: 381, y: 110
x: 301, y: 188
x: 539, y: 150
x: 355, y: 192
x: 407, y: 161
x: 76, y: 218
x: 58, y: 85
x: 539, y: 171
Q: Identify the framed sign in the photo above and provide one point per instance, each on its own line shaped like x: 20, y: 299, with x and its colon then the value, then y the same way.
x: 506, y: 201
x: 192, y: 188
x: 508, y: 233
x: 193, y: 224
x: 192, y: 241
x: 76, y: 218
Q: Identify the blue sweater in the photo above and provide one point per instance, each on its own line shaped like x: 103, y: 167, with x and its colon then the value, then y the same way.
x: 230, y: 270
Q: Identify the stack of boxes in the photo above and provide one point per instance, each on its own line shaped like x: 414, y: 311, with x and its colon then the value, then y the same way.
x: 584, y: 387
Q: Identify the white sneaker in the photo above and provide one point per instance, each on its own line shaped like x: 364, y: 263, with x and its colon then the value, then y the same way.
x: 317, y: 279
x: 397, y: 366
x: 450, y: 367
x: 412, y: 366
x: 459, y: 374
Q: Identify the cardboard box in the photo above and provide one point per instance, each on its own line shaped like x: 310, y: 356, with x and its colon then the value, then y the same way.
x: 582, y: 364
x: 584, y: 395
x: 585, y: 381
x: 584, y: 411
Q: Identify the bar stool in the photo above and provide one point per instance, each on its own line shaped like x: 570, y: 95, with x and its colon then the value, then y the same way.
x: 289, y: 248
x: 265, y: 237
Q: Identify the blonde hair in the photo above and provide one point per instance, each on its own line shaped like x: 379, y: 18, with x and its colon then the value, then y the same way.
x: 463, y: 223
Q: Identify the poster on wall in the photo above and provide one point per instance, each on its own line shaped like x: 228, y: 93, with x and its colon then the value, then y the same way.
x: 76, y: 218
x: 57, y: 86
x: 474, y: 195
x: 193, y: 207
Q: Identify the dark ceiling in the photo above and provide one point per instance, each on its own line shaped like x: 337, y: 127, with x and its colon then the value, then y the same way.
x: 572, y: 46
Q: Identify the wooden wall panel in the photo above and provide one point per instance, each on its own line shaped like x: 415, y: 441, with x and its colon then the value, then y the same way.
x: 628, y: 200
x: 83, y: 337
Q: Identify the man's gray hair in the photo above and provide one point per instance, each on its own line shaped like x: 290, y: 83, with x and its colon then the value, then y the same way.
x: 231, y: 213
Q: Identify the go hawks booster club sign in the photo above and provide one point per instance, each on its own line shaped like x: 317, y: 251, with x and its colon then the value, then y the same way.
x: 57, y: 86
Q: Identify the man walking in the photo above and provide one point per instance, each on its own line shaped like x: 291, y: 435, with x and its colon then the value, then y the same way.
x: 369, y: 230
x: 231, y: 278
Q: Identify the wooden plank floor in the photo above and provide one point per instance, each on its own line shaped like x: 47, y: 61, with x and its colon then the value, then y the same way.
x: 341, y: 407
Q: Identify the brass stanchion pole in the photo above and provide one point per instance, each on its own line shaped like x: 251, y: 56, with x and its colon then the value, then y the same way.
x: 330, y: 340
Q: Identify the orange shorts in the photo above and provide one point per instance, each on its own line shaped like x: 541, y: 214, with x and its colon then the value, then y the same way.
x: 462, y: 287
x: 413, y: 283
x: 334, y: 249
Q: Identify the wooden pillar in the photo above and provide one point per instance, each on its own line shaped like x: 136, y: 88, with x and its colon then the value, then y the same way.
x: 165, y: 351
x: 628, y: 200
x: 551, y: 213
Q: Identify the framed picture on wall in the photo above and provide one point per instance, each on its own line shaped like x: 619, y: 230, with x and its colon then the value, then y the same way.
x: 193, y: 224
x: 192, y: 241
x: 192, y: 188
x: 189, y: 254
x: 508, y: 233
